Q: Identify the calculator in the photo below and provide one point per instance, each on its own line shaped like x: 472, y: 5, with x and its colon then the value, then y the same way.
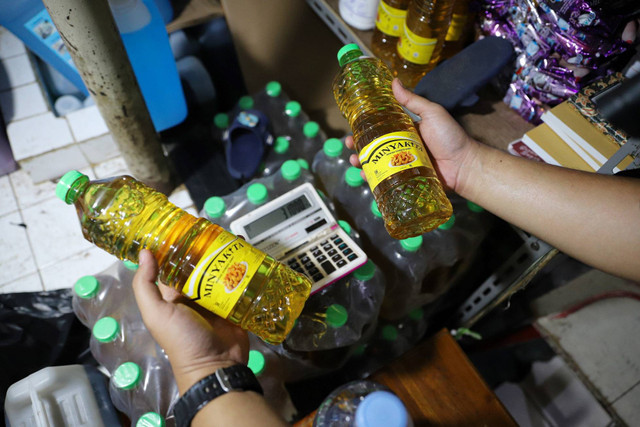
x: 298, y: 230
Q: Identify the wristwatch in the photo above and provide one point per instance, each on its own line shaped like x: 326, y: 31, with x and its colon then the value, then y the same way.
x: 224, y: 380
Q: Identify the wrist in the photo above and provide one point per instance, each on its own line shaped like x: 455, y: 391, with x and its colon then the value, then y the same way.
x: 186, y: 377
x: 469, y: 166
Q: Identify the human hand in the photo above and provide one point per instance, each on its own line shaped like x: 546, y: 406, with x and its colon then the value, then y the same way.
x: 196, y: 341
x: 449, y: 145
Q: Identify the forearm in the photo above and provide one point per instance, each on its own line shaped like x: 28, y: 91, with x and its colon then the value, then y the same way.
x: 591, y: 217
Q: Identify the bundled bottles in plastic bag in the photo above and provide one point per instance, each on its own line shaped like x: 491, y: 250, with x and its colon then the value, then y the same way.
x: 247, y: 287
x: 220, y: 126
x: 271, y: 100
x: 362, y: 403
x: 279, y: 153
x: 352, y: 195
x: 224, y: 210
x: 392, y: 154
x: 329, y: 165
x: 310, y: 141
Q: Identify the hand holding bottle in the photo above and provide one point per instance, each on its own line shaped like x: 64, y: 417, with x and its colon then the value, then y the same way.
x: 196, y: 341
x: 447, y: 142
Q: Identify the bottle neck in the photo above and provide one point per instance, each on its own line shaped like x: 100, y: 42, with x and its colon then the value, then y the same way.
x: 350, y: 56
x: 76, y: 189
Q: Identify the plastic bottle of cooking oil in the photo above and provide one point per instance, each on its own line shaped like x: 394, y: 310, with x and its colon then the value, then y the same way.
x: 393, y: 156
x: 421, y: 40
x: 389, y: 25
x: 214, y: 268
x: 459, y: 29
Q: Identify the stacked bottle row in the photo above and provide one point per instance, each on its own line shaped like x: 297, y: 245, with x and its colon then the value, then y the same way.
x: 296, y: 136
x: 141, y: 382
x: 412, y: 36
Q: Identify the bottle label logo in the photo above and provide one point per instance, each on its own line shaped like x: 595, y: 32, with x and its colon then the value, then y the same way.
x: 392, y: 153
x: 414, y: 48
x: 390, y: 20
x: 456, y: 27
x: 221, y: 276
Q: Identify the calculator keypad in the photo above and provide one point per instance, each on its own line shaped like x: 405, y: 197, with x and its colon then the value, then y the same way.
x: 321, y: 260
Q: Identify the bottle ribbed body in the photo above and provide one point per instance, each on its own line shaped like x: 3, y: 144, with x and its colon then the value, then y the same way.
x: 410, y: 196
x: 421, y: 41
x: 123, y: 216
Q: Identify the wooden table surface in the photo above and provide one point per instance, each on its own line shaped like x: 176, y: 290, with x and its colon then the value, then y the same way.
x: 440, y: 386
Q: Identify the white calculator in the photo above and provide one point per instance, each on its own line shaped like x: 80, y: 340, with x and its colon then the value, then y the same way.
x: 298, y: 230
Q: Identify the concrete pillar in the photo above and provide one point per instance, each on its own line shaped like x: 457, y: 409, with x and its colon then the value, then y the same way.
x: 92, y: 38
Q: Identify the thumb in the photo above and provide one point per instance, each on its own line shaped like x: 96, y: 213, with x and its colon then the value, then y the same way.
x: 415, y: 103
x: 150, y: 302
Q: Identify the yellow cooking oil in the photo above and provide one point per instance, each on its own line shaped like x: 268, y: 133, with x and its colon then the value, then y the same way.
x: 395, y: 161
x: 213, y: 267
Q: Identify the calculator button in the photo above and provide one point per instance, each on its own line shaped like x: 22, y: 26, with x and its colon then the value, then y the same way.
x: 332, y: 252
x: 321, y: 258
x: 342, y: 246
x: 317, y: 253
x: 328, y: 267
x: 324, y: 243
x: 315, y: 248
x: 309, y: 265
x: 299, y: 269
x: 352, y: 257
x: 317, y: 277
x: 347, y: 251
x: 327, y: 247
x: 337, y: 241
x: 336, y: 258
x: 335, y: 236
x: 294, y: 265
x: 313, y: 271
x: 341, y: 263
x: 304, y: 259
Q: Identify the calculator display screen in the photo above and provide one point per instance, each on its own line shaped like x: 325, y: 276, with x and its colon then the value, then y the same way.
x: 277, y: 216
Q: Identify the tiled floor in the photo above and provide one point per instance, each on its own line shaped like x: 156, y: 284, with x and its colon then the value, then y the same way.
x: 41, y: 245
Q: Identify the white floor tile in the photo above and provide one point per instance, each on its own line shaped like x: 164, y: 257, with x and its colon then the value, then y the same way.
x: 87, y: 123
x: 28, y: 193
x: 628, y: 406
x: 522, y: 409
x: 100, y: 149
x: 28, y: 283
x: 22, y: 102
x: 38, y: 134
x: 18, y: 72
x: 54, y: 232
x: 53, y: 164
x: 113, y: 167
x: 15, y: 252
x: 65, y: 273
x: 8, y: 201
x: 10, y: 45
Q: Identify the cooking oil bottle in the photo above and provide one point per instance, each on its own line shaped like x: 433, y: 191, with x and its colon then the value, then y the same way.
x: 421, y: 41
x: 393, y: 157
x: 213, y: 267
x: 389, y: 25
x: 460, y: 29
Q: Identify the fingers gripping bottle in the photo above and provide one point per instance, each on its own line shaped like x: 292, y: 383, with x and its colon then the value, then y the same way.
x: 393, y: 156
x: 422, y: 39
x: 389, y: 25
x: 214, y: 268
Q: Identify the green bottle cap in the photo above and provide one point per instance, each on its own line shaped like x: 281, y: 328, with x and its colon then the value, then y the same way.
x: 337, y: 315
x: 348, y: 52
x: 303, y: 163
x: 282, y: 145
x: 130, y: 265
x: 345, y: 226
x: 86, y: 287
x: 215, y: 207
x: 416, y: 314
x: 411, y: 244
x: 69, y: 182
x: 245, y: 102
x: 366, y: 272
x: 311, y: 129
x: 447, y: 225
x: 256, y: 362
x: 106, y: 329
x: 389, y: 333
x: 333, y: 147
x: 257, y: 193
x: 291, y: 170
x: 292, y: 109
x: 375, y: 210
x: 151, y: 419
x: 273, y: 89
x: 127, y: 376
x: 353, y: 177
x: 221, y: 120
x: 359, y: 350
x: 474, y: 208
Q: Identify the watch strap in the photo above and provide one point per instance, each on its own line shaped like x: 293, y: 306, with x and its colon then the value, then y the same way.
x: 234, y: 378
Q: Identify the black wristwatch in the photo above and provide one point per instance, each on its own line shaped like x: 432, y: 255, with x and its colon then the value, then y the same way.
x: 224, y: 380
